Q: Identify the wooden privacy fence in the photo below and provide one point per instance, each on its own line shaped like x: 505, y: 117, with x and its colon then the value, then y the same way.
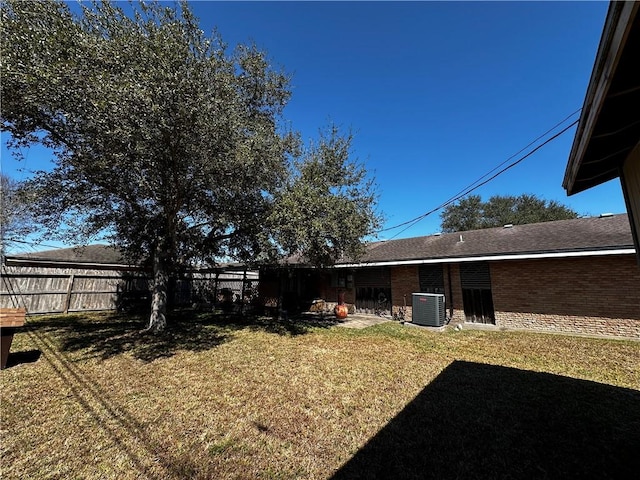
x: 50, y: 292
x: 59, y: 293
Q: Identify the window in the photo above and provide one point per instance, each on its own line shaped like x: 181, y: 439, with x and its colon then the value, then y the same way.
x: 431, y: 279
x: 476, y: 292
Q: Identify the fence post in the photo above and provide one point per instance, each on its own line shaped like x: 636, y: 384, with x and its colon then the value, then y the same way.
x: 244, y: 284
x: 67, y: 300
x: 215, y: 289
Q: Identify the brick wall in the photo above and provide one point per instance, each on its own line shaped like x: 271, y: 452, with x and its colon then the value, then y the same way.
x: 454, y: 294
x: 404, y: 282
x: 591, y: 295
x: 330, y: 294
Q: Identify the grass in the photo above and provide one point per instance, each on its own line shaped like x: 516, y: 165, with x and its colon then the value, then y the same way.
x: 225, y: 398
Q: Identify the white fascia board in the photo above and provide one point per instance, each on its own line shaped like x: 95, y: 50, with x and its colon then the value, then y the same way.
x: 523, y: 256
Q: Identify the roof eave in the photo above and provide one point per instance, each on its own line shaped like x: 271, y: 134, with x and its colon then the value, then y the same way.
x: 496, y: 257
x: 618, y: 24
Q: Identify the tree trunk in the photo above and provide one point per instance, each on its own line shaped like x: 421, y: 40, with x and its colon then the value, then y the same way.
x: 158, y: 318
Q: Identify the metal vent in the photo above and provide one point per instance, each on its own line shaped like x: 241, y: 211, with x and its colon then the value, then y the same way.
x: 428, y: 309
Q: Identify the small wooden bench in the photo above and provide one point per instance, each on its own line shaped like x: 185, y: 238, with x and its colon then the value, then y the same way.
x: 10, y: 319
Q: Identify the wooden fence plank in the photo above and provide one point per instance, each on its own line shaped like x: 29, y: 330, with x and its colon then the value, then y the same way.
x: 80, y: 290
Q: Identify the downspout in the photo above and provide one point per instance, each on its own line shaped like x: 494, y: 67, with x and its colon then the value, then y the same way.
x: 450, y: 292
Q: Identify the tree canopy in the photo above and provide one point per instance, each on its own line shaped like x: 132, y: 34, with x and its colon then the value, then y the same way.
x: 471, y: 213
x: 327, y: 202
x: 170, y: 146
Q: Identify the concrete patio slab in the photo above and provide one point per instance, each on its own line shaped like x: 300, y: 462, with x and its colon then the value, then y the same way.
x: 362, y: 321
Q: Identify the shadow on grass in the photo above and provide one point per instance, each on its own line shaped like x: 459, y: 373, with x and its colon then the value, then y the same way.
x: 18, y: 358
x: 105, y: 335
x: 487, y: 422
x: 294, y: 325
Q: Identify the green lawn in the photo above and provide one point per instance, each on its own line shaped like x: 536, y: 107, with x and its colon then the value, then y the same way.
x: 254, y: 399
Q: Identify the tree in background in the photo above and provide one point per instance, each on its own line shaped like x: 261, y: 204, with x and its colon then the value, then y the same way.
x: 166, y: 144
x: 462, y: 216
x: 15, y: 223
x: 471, y: 213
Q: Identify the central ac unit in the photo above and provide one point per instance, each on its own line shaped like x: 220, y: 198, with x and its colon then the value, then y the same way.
x: 428, y: 309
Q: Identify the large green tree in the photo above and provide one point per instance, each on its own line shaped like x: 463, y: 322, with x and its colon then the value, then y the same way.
x: 471, y: 213
x: 328, y: 201
x: 166, y: 143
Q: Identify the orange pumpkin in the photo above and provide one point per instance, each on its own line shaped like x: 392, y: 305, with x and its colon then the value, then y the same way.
x: 341, y: 311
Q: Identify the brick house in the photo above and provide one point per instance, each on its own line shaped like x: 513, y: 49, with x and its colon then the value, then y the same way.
x: 577, y: 276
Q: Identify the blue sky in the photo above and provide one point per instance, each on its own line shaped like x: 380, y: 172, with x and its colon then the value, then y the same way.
x: 437, y: 93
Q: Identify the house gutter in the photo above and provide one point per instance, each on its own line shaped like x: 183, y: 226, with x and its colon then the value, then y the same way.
x: 451, y: 310
x: 524, y: 256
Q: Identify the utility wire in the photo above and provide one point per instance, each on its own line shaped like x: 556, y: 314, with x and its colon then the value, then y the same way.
x: 34, y: 244
x: 517, y: 153
x: 456, y: 196
x: 477, y: 184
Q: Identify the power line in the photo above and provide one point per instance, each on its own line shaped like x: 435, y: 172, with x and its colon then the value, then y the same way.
x: 456, y: 196
x: 35, y: 244
x: 477, y: 184
x: 517, y: 153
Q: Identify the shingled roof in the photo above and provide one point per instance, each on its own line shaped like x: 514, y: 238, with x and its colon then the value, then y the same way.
x: 599, y: 235
x: 101, y: 257
x: 593, y: 235
x: 90, y: 254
